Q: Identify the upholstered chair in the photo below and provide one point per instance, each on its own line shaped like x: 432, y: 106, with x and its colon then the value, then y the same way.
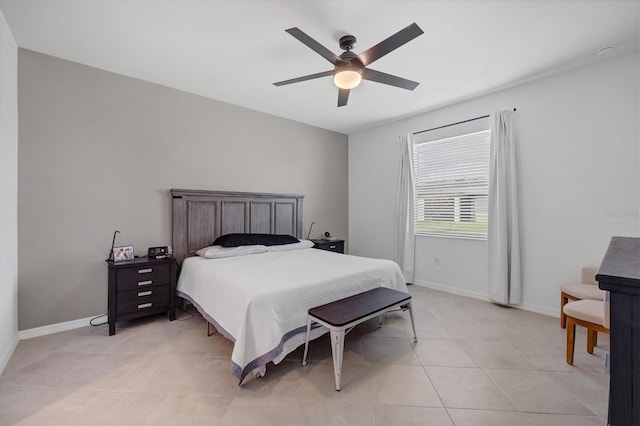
x: 591, y: 314
x: 587, y: 289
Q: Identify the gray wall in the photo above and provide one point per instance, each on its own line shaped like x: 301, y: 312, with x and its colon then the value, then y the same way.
x: 99, y: 152
x: 8, y: 193
x: 578, y: 159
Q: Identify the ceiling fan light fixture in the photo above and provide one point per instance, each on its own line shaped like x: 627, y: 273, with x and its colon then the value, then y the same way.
x: 349, y: 68
x: 347, y: 77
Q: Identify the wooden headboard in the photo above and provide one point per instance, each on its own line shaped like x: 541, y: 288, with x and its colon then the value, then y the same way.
x: 199, y: 217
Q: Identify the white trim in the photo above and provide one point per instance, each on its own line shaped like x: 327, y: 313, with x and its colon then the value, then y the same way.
x: 452, y: 290
x: 4, y: 358
x: 479, y: 296
x: 54, y: 328
x: 540, y: 310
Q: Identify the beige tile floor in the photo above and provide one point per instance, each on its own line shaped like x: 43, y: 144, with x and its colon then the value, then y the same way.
x: 475, y: 363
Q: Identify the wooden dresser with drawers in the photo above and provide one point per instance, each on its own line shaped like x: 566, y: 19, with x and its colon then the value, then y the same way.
x: 140, y: 287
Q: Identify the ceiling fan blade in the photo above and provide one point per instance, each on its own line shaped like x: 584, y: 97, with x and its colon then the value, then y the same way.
x: 384, y: 78
x: 343, y: 97
x: 304, y: 78
x: 391, y: 43
x: 314, y: 45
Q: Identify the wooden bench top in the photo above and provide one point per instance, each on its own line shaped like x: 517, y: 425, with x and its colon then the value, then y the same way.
x: 350, y: 309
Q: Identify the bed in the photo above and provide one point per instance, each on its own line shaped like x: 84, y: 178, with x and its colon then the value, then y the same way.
x: 260, y: 299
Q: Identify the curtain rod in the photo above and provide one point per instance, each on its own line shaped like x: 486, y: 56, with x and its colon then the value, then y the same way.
x: 453, y: 124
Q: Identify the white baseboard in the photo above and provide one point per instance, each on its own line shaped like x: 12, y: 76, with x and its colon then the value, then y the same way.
x: 479, y: 296
x: 54, y: 328
x: 453, y: 290
x: 6, y: 355
x: 540, y: 310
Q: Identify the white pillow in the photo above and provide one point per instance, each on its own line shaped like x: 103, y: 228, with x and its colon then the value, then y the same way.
x: 217, y: 252
x: 303, y: 244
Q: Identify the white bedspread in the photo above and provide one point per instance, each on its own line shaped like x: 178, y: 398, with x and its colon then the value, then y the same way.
x: 260, y: 301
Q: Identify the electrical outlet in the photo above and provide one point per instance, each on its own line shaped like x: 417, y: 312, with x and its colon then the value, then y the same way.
x: 436, y: 260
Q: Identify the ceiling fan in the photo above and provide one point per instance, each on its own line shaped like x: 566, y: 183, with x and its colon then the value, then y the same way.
x: 349, y: 68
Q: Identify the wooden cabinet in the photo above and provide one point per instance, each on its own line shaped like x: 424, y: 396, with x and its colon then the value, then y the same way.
x: 329, y: 245
x: 619, y: 273
x: 141, y: 287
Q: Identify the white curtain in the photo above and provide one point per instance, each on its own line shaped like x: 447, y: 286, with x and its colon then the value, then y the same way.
x: 405, y: 238
x: 505, y: 283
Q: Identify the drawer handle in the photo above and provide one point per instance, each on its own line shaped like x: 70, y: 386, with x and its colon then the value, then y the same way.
x: 145, y: 271
x: 145, y: 305
x: 145, y: 282
x: 332, y: 246
x: 145, y: 293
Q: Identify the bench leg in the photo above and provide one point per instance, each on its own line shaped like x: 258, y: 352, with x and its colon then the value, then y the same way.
x: 306, y: 341
x: 413, y: 324
x: 381, y: 318
x: 337, y: 349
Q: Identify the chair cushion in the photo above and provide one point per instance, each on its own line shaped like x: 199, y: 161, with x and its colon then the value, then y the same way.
x: 583, y: 291
x: 586, y: 310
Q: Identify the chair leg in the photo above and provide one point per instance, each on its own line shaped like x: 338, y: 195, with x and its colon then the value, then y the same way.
x: 571, y: 339
x: 563, y: 317
x: 592, y: 339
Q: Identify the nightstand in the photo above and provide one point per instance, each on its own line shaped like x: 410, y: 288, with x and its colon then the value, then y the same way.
x: 329, y: 245
x: 140, y: 287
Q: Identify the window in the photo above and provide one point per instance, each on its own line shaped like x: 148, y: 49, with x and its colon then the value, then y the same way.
x: 451, y: 181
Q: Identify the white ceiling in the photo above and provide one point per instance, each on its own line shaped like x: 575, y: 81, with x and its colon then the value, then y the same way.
x: 234, y: 50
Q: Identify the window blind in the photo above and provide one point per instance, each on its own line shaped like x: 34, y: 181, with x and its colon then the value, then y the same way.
x: 451, y: 181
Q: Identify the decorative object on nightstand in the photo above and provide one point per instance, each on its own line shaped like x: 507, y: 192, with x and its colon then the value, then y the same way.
x: 140, y: 287
x: 330, y: 244
x: 120, y: 254
x: 158, y: 252
x: 310, y: 228
x: 113, y: 243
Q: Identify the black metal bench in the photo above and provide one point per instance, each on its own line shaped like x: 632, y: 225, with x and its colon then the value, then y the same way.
x: 341, y: 316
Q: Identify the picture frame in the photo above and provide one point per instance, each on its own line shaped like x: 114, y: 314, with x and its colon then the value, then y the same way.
x: 122, y: 253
